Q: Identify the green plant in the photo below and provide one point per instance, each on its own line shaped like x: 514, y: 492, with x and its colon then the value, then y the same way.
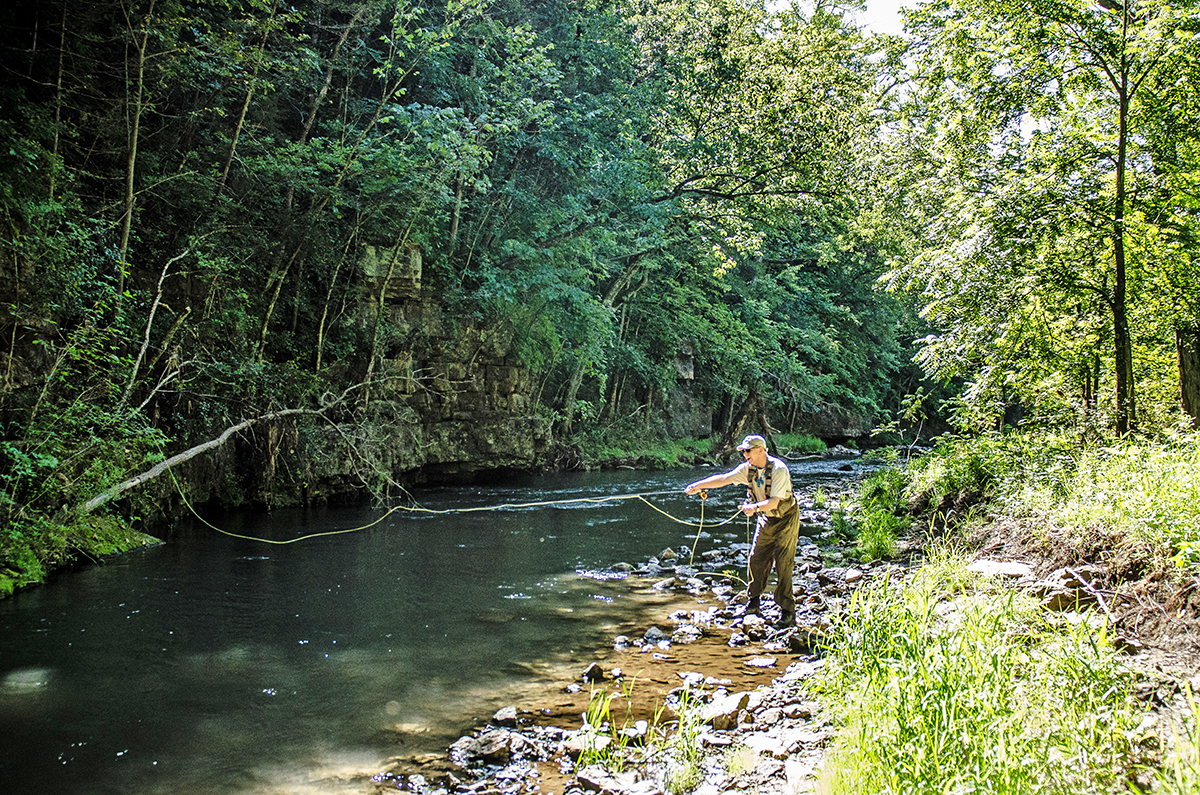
x: 683, y: 750
x: 877, y: 536
x: 607, y: 741
x: 1180, y: 772
x: 600, y: 736
x: 978, y: 694
x: 841, y: 524
x: 799, y: 444
x: 820, y: 498
x: 739, y: 759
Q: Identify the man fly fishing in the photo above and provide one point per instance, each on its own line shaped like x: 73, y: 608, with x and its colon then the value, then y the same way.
x: 769, y: 497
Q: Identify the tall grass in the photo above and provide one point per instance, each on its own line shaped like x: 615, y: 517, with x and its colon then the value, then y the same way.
x: 877, y: 516
x: 978, y: 694
x: 1142, y: 494
x: 1180, y: 772
x: 1147, y: 493
x: 798, y: 444
x: 684, y: 751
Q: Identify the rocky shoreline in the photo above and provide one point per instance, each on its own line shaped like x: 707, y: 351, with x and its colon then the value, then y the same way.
x: 736, y: 675
x: 725, y: 688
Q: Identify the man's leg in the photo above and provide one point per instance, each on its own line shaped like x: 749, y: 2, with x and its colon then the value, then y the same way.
x: 787, y: 534
x: 762, y: 556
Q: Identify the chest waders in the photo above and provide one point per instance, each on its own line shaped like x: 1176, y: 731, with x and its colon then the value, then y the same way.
x: 785, y: 504
x: 774, y: 546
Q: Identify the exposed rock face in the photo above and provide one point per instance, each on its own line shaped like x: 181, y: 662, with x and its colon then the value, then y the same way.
x: 831, y: 422
x: 451, y: 400
x: 686, y: 415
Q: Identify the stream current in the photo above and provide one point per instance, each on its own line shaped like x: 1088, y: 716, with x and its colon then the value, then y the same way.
x: 218, y: 665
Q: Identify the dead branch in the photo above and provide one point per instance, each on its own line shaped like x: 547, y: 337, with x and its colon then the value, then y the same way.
x: 153, y: 472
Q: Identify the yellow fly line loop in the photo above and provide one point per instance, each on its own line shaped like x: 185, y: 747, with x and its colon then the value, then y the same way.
x: 477, y: 509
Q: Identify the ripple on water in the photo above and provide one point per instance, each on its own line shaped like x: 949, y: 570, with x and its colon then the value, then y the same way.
x: 26, y: 680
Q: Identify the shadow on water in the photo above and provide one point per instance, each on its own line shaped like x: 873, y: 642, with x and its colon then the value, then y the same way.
x: 214, y: 664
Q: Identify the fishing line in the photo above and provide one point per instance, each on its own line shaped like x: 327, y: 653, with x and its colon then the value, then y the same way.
x: 503, y: 506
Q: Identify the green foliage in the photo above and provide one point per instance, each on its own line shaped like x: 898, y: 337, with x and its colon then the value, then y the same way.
x: 877, y: 517
x: 630, y: 442
x: 683, y: 750
x: 1180, y: 774
x: 799, y: 444
x: 820, y: 498
x: 611, y: 742
x: 1140, y: 494
x: 1034, y: 254
x: 877, y: 536
x: 948, y: 690
x: 214, y: 211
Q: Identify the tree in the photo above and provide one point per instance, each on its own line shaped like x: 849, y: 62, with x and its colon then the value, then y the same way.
x: 1040, y: 170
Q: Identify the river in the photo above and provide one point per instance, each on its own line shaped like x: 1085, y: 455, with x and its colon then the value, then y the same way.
x: 220, y: 665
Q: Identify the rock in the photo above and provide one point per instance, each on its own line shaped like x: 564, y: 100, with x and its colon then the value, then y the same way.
x: 491, y: 747
x: 830, y: 575
x: 716, y: 740
x: 1127, y: 644
x: 769, y: 716
x: 722, y: 712
x: 806, y: 640
x: 798, y: 773
x: 506, y: 716
x: 574, y: 745
x: 593, y: 673
x: 1083, y: 576
x: 1000, y: 568
x: 767, y: 745
x: 1059, y: 600
x: 668, y: 554
x: 595, y: 778
x: 654, y: 635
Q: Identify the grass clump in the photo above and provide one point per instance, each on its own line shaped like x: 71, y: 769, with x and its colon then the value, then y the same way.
x: 610, y: 742
x: 947, y: 685
x: 30, y: 550
x: 1146, y: 494
x: 683, y: 751
x: 877, y: 518
x: 629, y: 443
x: 1140, y: 494
x: 790, y: 444
x: 1180, y: 772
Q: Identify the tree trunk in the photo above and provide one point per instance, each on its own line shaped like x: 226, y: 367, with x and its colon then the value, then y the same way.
x: 572, y: 392
x: 1187, y: 346
x: 241, y: 120
x: 135, y: 122
x: 1122, y: 340
x: 751, y: 409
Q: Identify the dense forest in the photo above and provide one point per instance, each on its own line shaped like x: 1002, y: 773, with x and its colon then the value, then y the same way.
x: 269, y: 253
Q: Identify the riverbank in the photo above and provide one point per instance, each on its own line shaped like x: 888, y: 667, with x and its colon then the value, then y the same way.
x: 611, y: 728
x: 1097, y: 662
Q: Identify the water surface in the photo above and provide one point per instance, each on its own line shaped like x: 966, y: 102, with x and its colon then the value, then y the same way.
x: 213, y: 664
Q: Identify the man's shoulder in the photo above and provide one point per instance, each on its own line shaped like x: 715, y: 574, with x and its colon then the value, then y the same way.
x: 739, y: 471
